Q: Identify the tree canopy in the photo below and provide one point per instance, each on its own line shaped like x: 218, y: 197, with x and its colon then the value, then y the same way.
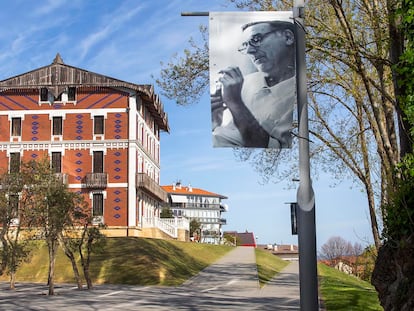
x: 357, y: 128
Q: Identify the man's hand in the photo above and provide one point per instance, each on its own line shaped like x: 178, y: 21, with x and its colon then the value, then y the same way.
x: 251, y: 131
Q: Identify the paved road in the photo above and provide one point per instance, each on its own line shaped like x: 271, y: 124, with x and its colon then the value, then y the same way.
x: 229, y: 284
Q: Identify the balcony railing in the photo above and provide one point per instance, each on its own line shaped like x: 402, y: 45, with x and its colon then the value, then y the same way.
x: 147, y: 184
x: 62, y: 178
x: 96, y: 180
x: 168, y: 225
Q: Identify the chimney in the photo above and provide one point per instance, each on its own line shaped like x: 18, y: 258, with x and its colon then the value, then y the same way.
x: 190, y: 189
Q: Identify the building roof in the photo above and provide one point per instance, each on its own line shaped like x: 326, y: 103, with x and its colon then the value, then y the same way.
x: 244, y: 238
x: 57, y: 76
x: 189, y: 190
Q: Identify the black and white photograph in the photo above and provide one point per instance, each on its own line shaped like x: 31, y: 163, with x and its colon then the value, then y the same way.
x: 252, y: 78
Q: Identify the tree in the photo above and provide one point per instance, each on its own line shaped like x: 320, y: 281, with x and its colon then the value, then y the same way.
x: 54, y: 207
x: 166, y: 212
x: 394, y: 267
x: 351, y: 94
x: 15, y: 222
x: 195, y: 229
x: 70, y: 246
x: 92, y: 240
x: 336, y: 248
x: 360, y: 90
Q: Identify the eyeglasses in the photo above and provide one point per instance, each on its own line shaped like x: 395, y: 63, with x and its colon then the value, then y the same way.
x: 254, y: 41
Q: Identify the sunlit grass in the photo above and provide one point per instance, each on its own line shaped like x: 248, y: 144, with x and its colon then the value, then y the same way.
x: 268, y: 265
x: 342, y: 292
x: 137, y: 261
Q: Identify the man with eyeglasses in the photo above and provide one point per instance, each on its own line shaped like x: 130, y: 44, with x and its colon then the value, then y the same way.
x: 256, y: 110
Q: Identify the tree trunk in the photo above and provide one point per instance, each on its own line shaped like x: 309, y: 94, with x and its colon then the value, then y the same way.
x: 13, y: 280
x: 52, y: 260
x: 71, y: 256
x: 87, y: 263
x: 393, y: 275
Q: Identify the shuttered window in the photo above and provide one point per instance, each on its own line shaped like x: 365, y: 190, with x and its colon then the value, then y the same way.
x: 14, y: 162
x: 57, y: 162
x: 14, y: 205
x: 72, y: 93
x: 44, y: 94
x: 97, y: 204
x: 98, y: 125
x: 57, y: 126
x: 98, y: 161
x: 16, y: 129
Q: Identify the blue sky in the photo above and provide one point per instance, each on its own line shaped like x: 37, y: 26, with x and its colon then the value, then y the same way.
x: 128, y: 40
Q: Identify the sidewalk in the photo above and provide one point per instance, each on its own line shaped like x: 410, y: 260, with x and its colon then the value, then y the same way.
x: 284, y: 288
x: 235, y: 275
x: 236, y: 271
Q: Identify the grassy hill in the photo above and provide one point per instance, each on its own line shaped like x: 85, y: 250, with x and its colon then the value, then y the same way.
x: 342, y: 292
x: 128, y: 261
x: 140, y: 261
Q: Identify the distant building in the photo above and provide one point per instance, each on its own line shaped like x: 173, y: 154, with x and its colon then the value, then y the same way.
x: 102, y: 136
x: 243, y: 238
x: 204, y: 206
x: 285, y: 251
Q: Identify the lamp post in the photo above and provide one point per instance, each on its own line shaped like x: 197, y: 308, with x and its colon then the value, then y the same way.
x: 305, y: 196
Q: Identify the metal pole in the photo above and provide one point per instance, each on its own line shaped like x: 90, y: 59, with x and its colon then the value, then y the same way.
x: 308, y: 276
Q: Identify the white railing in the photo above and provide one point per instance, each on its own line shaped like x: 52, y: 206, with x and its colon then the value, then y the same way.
x: 168, y: 225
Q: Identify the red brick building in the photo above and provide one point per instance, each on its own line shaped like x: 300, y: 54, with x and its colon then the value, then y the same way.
x: 101, y: 134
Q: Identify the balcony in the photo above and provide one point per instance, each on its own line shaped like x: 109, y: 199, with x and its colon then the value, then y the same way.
x: 61, y: 177
x: 147, y: 184
x: 96, y: 180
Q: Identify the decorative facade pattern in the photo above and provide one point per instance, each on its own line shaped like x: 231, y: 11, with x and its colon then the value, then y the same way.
x: 99, y: 132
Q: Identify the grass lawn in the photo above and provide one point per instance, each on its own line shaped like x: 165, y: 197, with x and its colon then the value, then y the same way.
x: 342, y: 292
x: 268, y: 265
x: 128, y: 261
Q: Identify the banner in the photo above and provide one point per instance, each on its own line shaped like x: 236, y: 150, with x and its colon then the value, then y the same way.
x: 252, y: 78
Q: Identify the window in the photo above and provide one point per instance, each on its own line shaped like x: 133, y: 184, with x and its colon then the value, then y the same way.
x: 57, y: 126
x: 16, y: 129
x: 97, y: 204
x: 14, y: 162
x: 57, y: 162
x: 44, y: 94
x: 98, y: 161
x: 98, y: 125
x: 14, y: 205
x: 72, y: 93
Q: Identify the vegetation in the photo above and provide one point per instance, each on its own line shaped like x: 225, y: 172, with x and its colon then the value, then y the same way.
x: 36, y: 203
x: 195, y: 229
x: 268, y: 265
x: 166, y: 212
x: 342, y: 292
x: 143, y: 261
x: 360, y: 58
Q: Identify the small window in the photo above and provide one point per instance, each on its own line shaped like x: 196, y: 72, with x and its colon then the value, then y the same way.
x: 16, y: 129
x: 44, y: 94
x: 57, y: 126
x: 14, y: 162
x: 57, y: 162
x: 14, y: 205
x: 71, y: 93
x: 98, y: 125
x: 97, y: 204
x: 98, y: 161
